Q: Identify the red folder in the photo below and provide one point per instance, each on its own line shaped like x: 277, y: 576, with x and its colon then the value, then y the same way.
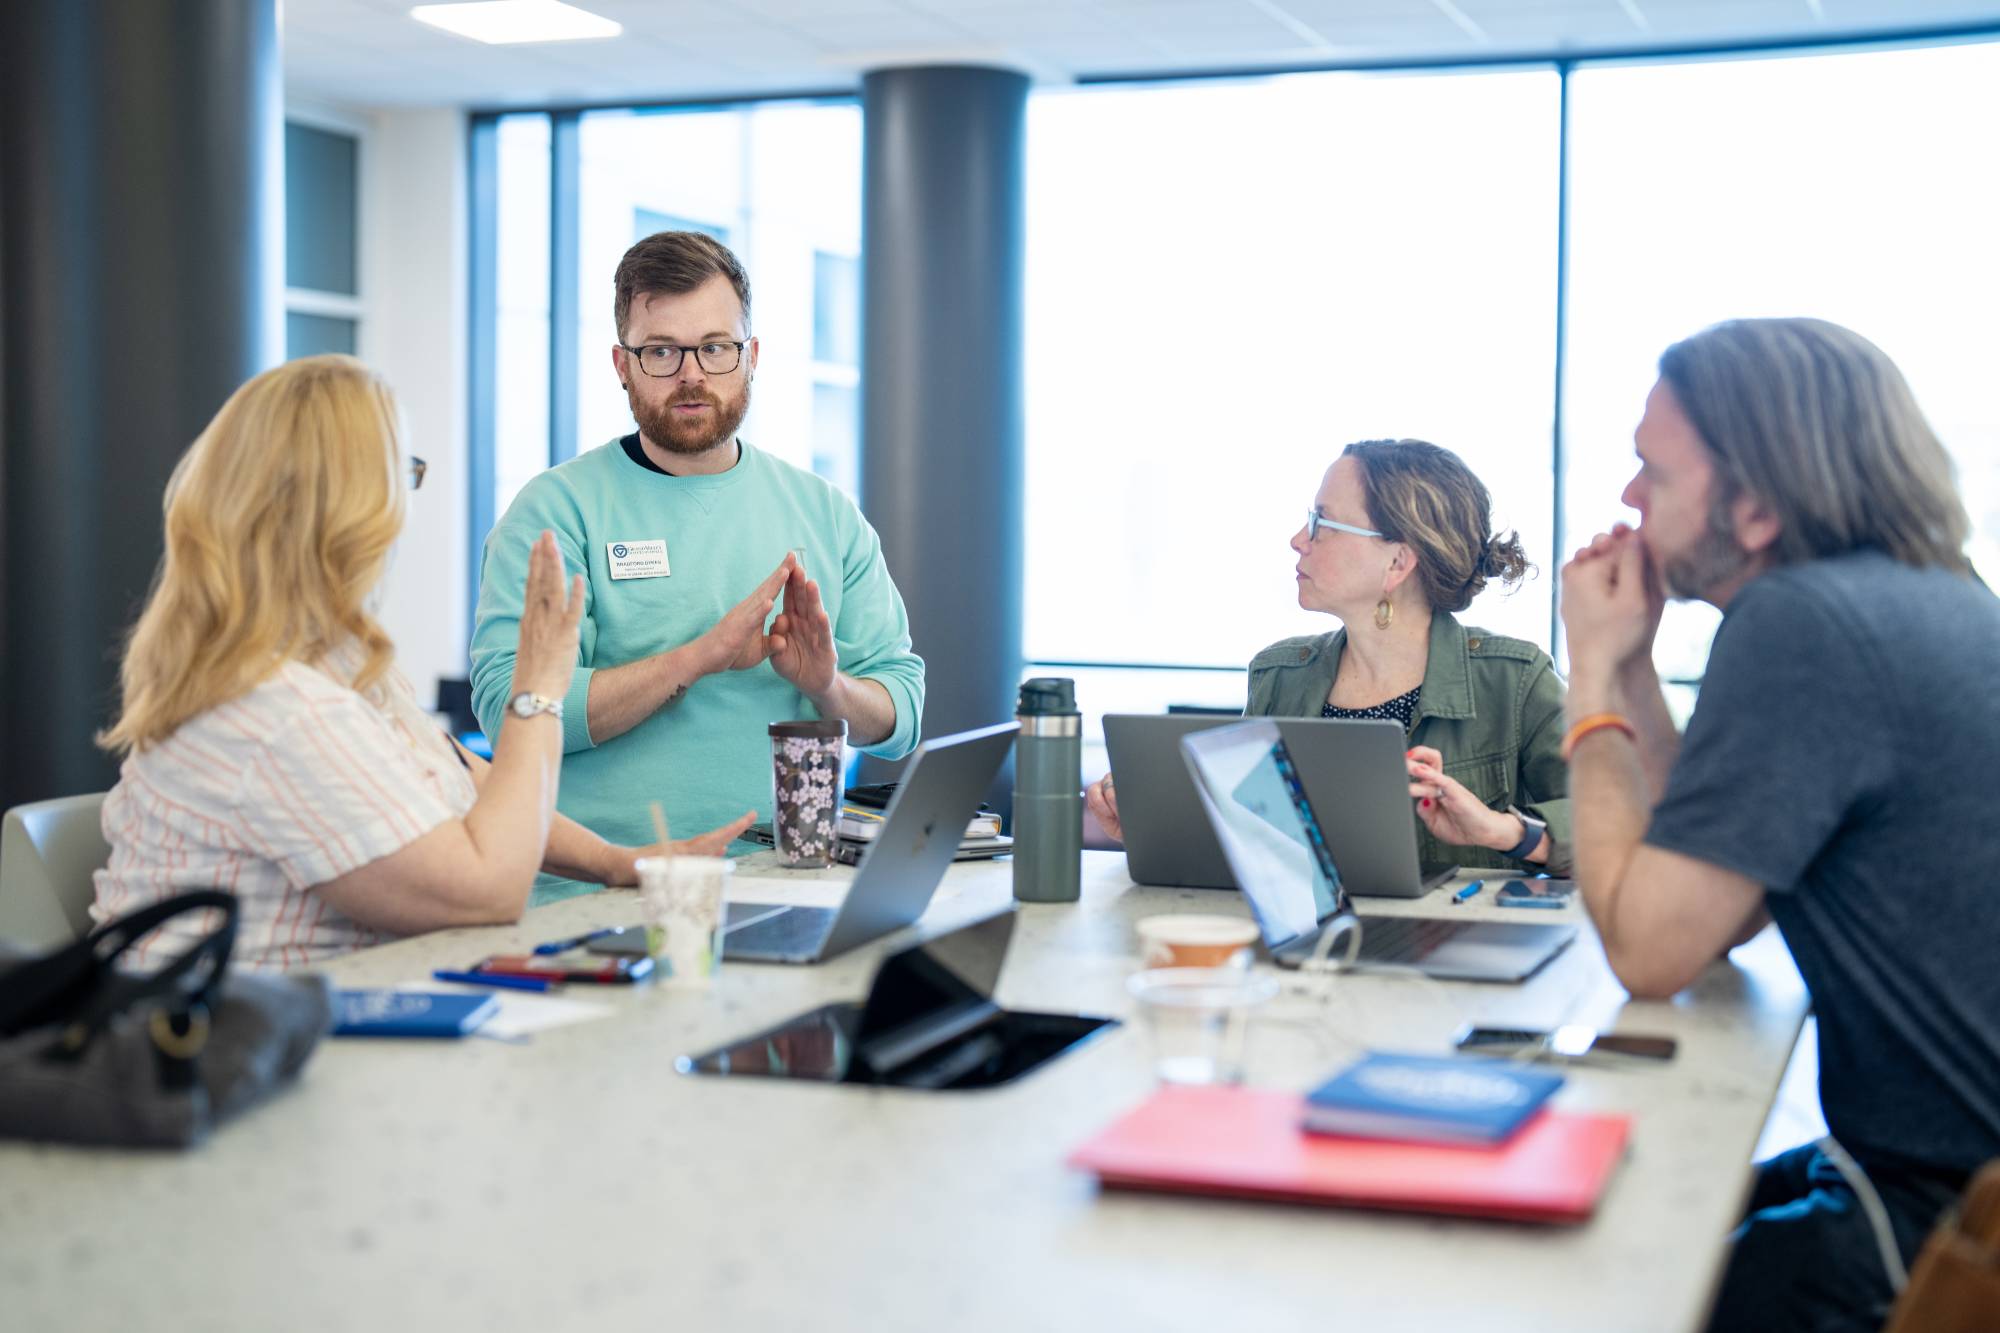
x: 1247, y: 1141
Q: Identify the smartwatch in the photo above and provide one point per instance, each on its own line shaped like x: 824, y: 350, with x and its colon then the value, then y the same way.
x: 1531, y: 838
x: 528, y: 704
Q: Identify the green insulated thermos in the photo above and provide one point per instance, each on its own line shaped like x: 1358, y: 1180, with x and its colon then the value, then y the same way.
x: 1048, y: 792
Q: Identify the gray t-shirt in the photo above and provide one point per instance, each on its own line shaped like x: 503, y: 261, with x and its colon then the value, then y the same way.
x: 1845, y: 753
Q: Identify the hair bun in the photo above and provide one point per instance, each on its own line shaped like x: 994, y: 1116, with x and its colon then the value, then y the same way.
x: 1503, y: 558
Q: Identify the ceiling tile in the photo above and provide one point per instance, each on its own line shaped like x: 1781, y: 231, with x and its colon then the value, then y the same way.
x: 366, y: 52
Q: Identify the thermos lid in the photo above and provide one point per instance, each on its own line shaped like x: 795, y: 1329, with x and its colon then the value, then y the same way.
x: 1044, y: 695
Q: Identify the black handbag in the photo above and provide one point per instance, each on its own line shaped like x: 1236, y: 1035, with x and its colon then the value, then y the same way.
x: 91, y: 1052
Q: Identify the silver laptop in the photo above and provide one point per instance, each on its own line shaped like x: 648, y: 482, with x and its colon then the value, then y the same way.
x: 1353, y: 773
x: 920, y: 835
x: 1249, y: 785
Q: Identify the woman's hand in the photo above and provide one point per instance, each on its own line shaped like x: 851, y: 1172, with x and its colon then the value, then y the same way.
x: 551, y: 610
x: 624, y: 871
x: 1102, y: 801
x: 1449, y: 809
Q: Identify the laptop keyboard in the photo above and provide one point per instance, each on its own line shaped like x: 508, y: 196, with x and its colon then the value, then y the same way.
x: 799, y: 930
x: 1404, y: 939
x: 742, y: 914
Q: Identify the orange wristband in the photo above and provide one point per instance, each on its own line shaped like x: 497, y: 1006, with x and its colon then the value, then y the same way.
x: 1595, y: 722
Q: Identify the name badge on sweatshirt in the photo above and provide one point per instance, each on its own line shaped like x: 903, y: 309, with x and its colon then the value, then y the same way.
x: 638, y: 560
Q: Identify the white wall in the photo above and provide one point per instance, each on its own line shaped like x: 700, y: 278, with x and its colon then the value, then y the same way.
x: 413, y: 287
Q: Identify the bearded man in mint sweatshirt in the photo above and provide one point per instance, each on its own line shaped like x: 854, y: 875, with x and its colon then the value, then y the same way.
x: 688, y: 539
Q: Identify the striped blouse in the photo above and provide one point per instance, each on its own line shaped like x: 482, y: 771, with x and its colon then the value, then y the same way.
x: 288, y: 786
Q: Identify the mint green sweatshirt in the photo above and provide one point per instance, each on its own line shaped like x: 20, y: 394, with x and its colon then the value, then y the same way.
x: 707, y: 758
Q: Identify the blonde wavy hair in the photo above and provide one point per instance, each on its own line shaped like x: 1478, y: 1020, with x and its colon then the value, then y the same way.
x: 279, y: 521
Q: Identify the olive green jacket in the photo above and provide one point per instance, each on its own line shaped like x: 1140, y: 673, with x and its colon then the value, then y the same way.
x: 1492, y: 706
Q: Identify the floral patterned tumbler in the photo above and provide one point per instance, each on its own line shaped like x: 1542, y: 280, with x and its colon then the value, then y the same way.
x: 807, y: 776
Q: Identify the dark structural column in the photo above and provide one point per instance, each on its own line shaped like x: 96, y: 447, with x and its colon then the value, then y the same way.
x: 139, y: 186
x: 941, y: 452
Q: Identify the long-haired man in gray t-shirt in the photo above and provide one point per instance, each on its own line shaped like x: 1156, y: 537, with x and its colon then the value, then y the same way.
x: 1836, y: 777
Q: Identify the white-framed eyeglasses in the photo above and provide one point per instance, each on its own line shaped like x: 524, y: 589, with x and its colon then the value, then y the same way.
x: 1316, y: 520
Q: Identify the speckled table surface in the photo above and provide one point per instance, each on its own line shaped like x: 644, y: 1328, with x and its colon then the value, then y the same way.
x: 578, y: 1181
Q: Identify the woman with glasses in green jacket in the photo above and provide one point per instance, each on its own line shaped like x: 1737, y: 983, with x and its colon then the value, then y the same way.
x: 1399, y: 539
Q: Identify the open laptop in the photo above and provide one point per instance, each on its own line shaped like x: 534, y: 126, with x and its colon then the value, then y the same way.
x: 1250, y: 788
x: 1353, y: 773
x: 901, y: 870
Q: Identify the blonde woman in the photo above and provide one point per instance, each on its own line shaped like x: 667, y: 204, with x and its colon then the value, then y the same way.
x: 271, y: 746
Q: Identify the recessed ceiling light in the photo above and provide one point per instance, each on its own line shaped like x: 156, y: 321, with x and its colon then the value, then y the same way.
x: 502, y: 21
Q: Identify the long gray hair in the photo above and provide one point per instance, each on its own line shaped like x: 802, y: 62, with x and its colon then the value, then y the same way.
x: 1817, y: 423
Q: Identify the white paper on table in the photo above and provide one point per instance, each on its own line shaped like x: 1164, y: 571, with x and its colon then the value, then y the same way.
x: 521, y: 1013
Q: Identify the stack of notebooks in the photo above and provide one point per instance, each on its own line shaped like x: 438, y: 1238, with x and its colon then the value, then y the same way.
x: 1459, y: 1136
x: 862, y: 817
x: 859, y: 825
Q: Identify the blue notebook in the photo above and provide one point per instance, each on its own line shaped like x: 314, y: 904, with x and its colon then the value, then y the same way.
x: 409, y: 1013
x: 1425, y: 1099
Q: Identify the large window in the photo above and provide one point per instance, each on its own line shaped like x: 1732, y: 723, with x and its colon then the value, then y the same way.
x: 1856, y: 187
x: 779, y: 183
x: 322, y: 257
x: 1229, y: 282
x: 521, y: 333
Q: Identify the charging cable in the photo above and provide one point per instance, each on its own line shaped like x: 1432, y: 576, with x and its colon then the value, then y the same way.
x: 1871, y: 1207
x: 1346, y: 924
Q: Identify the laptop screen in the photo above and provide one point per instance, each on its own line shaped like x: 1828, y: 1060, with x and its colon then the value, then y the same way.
x: 1246, y: 781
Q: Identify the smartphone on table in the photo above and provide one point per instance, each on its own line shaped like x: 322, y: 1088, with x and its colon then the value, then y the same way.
x: 1570, y: 1042
x: 619, y: 942
x: 1536, y: 892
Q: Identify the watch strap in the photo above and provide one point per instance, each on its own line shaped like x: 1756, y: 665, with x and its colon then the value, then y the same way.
x: 1534, y: 830
x: 529, y: 704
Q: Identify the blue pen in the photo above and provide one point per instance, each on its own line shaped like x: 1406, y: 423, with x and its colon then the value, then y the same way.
x: 1468, y: 891
x: 495, y: 979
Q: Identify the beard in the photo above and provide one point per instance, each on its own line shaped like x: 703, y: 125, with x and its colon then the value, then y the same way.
x: 659, y: 424
x: 1715, y: 558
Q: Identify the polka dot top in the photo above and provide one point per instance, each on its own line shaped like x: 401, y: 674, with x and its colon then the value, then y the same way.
x: 1400, y: 709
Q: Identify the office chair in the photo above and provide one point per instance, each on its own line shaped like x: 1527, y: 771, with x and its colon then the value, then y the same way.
x: 47, y: 852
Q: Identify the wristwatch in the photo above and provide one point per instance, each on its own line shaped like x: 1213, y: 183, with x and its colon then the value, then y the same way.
x: 1530, y: 839
x: 527, y: 704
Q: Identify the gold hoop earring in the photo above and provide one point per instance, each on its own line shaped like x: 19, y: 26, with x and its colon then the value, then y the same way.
x: 1385, y: 612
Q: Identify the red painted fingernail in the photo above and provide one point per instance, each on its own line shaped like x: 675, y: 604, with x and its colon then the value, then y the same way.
x: 1427, y: 802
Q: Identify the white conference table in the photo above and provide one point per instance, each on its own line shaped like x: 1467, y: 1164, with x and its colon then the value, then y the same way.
x: 578, y: 1181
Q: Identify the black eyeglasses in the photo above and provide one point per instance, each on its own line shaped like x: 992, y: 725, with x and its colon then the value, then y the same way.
x: 663, y: 360
x: 417, y: 469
